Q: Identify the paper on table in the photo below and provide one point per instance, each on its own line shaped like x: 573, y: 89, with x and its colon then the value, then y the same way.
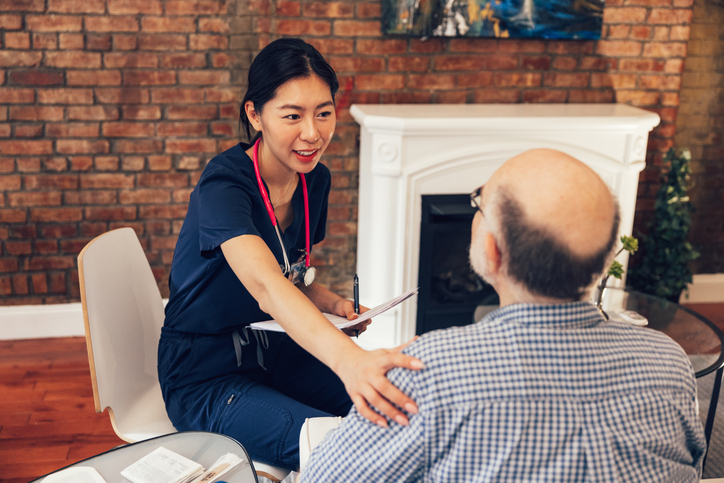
x: 78, y: 474
x: 342, y: 322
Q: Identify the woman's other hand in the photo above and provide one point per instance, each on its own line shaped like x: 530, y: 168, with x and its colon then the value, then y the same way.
x: 364, y: 374
x: 345, y: 308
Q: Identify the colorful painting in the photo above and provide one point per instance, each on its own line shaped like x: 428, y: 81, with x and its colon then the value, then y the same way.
x: 548, y: 19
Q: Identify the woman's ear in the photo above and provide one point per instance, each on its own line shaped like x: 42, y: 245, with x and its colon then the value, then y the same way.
x: 252, y: 115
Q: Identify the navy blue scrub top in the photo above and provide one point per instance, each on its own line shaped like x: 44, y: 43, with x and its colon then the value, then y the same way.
x: 206, y: 297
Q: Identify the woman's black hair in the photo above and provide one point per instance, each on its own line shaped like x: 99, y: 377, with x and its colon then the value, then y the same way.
x: 279, y: 62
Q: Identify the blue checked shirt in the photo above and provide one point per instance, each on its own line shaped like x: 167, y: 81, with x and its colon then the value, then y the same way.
x: 531, y: 393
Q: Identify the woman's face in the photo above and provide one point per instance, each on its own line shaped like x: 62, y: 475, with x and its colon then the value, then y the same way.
x: 296, y: 125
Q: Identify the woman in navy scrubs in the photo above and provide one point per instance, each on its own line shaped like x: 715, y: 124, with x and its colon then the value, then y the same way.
x: 241, y: 257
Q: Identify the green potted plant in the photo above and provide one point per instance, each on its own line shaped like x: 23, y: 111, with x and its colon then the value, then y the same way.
x: 630, y: 244
x: 663, y: 269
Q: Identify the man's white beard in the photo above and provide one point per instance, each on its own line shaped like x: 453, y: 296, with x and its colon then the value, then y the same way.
x: 478, y: 259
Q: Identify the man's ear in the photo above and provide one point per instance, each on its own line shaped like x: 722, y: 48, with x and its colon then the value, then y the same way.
x: 492, y: 253
x: 252, y: 115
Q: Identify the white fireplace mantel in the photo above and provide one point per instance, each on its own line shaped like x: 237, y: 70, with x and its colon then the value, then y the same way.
x: 407, y: 151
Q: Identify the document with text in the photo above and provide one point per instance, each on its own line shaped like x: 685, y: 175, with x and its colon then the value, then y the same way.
x: 342, y: 322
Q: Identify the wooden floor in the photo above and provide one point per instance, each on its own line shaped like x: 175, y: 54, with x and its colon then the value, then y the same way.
x: 47, y: 418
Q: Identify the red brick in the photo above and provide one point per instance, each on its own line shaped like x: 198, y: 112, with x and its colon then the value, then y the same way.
x: 16, y: 248
x: 45, y: 41
x: 168, y: 24
x: 125, y: 95
x: 366, y: 10
x: 178, y: 61
x: 26, y: 148
x: 377, y: 46
x: 107, y: 180
x: 306, y: 27
x: 474, y: 80
x: 98, y: 42
x: 565, y: 63
x: 429, y: 46
x: 641, y: 65
x: 111, y: 24
x: 54, y: 23
x: 217, y: 25
x: 89, y: 197
x: 220, y: 59
x: 430, y: 81
x: 28, y: 165
x: 20, y: 59
x: 58, y: 231
x: 65, y: 96
x: 679, y: 32
x: 638, y: 98
x: 127, y: 61
x: 329, y: 10
x: 141, y: 113
x: 186, y: 163
x: 23, y: 130
x: 474, y: 45
x: 394, y: 97
x: 545, y: 96
x: 16, y: 40
x: 191, y: 146
x: 125, y: 42
x: 52, y: 263
x: 159, y: 163
x: 380, y: 82
x: 163, y: 42
x: 176, y: 95
x: 92, y: 113
x: 620, y: 31
x: 409, y: 64
x: 597, y: 63
x: 162, y: 211
x: 132, y: 7
x: 11, y: 21
x: 46, y: 247
x: 624, y: 15
x: 8, y: 265
x: 51, y: 181
x: 72, y: 129
x: 664, y: 49
x: 147, y: 196
x: 56, y: 214
x: 182, y: 129
x: 195, y: 7
x: 149, y: 77
x: 288, y: 9
x: 192, y: 112
x: 138, y: 146
x: 670, y: 16
x: 51, y: 198
x: 85, y: 6
x: 204, y: 77
x: 221, y: 94
x: 333, y: 46
x: 81, y: 163
x: 77, y: 146
x: 674, y: 66
x: 617, y: 81
x: 110, y: 213
x: 106, y: 163
x: 55, y: 164
x: 40, y: 284
x: 20, y: 284
x: 619, y: 48
x: 71, y: 41
x: 517, y: 79
x: 568, y: 48
x: 661, y: 83
x: 93, y: 77
x: 12, y: 215
x: 16, y: 96
x: 543, y: 63
x: 661, y: 33
x: 556, y: 79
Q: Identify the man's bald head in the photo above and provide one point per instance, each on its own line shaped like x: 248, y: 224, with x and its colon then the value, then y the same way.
x: 555, y: 219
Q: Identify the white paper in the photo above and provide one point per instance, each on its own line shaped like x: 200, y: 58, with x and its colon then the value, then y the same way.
x: 342, y: 322
x: 162, y: 466
x: 77, y: 474
x: 219, y: 468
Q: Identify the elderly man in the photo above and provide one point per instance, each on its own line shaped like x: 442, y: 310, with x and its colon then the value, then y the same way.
x: 543, y: 388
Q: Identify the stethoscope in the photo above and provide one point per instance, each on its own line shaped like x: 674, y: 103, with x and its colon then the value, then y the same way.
x: 295, y: 272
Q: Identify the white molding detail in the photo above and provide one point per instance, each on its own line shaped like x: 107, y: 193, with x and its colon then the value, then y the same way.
x: 42, y: 321
x: 705, y: 288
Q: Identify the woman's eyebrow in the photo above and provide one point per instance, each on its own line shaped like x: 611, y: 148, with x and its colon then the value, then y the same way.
x: 300, y: 108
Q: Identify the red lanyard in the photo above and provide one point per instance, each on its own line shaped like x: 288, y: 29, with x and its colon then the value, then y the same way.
x: 270, y: 208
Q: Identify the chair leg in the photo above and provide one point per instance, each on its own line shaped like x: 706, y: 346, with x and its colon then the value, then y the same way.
x: 712, y: 412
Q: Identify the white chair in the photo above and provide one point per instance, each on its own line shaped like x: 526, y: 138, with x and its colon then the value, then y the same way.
x: 123, y: 315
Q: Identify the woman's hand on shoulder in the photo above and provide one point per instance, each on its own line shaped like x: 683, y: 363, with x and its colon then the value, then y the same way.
x: 364, y: 374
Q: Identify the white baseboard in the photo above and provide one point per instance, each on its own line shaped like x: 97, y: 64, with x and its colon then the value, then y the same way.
x: 706, y: 288
x: 41, y: 321
x: 66, y: 320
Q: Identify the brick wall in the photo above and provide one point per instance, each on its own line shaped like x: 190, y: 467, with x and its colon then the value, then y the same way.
x: 110, y: 108
x: 700, y: 126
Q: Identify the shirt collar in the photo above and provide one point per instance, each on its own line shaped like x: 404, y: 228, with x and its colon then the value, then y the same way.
x: 572, y: 315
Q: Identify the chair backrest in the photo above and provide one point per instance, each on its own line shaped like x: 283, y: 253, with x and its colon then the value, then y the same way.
x: 123, y: 315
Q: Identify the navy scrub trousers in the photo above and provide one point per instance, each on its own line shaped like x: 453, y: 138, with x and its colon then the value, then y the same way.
x: 226, y: 390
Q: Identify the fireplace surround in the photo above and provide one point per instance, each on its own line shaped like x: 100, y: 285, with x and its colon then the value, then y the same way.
x: 407, y: 151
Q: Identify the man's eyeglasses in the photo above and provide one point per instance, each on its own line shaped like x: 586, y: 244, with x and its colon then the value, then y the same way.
x: 476, y: 199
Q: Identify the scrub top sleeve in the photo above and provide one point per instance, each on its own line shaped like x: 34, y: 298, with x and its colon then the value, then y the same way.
x: 224, y: 209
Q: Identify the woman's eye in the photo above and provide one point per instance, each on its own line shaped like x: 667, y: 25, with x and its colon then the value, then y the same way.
x: 325, y: 114
x: 293, y: 117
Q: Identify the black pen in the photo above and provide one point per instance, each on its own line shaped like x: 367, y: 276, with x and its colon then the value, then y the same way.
x: 355, y: 288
